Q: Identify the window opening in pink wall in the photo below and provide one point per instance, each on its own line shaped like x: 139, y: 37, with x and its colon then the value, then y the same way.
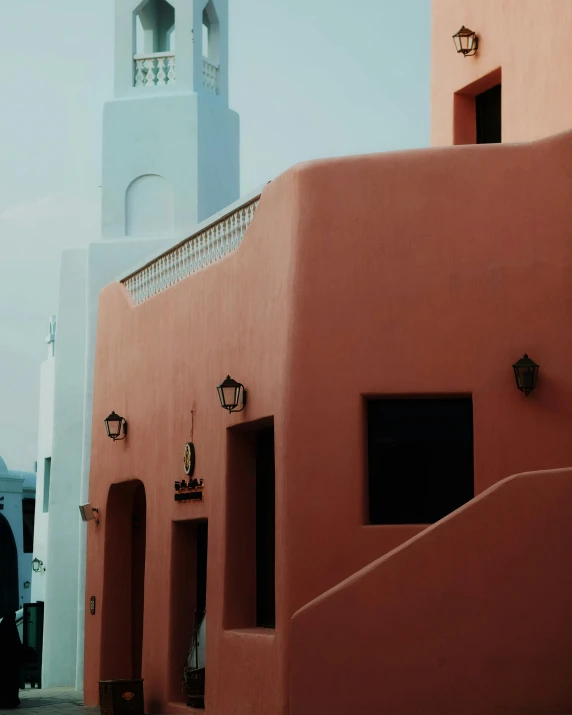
x: 250, y: 595
x: 420, y: 458
x: 488, y: 116
x: 477, y: 111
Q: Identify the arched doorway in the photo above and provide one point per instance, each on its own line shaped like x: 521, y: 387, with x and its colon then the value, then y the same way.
x: 9, y: 592
x: 124, y: 581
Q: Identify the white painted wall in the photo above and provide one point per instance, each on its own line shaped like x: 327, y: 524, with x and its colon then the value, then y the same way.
x: 60, y: 622
x: 45, y: 436
x: 218, y: 164
x: 189, y: 139
x: 196, y: 154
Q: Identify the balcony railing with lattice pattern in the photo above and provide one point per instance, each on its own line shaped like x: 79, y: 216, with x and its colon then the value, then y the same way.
x: 210, y: 76
x: 154, y: 69
x: 208, y: 245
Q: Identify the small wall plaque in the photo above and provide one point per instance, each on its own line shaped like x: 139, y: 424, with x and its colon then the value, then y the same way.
x: 92, y: 605
x: 189, y: 459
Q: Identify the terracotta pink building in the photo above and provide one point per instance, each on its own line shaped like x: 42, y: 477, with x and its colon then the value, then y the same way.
x: 388, y: 519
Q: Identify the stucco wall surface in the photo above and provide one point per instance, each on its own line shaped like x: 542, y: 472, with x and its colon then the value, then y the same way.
x: 426, y: 272
x: 164, y: 358
x: 470, y: 617
x: 528, y: 40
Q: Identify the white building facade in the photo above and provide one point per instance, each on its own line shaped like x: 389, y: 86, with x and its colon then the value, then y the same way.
x: 170, y: 160
x: 44, y: 468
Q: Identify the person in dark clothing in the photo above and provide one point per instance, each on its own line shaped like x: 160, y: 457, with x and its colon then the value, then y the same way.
x: 11, y: 656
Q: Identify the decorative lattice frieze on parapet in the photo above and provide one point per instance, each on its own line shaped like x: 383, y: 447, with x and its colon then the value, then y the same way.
x: 201, y: 249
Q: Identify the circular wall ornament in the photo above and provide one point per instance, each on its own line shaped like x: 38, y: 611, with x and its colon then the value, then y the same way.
x: 189, y: 459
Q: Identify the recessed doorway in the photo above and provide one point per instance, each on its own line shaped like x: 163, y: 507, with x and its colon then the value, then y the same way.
x: 188, y: 611
x: 124, y: 581
x: 250, y: 593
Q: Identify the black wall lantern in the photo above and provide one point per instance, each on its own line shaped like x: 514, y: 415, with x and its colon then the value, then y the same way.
x: 525, y: 374
x: 231, y: 394
x: 466, y: 41
x: 37, y: 565
x: 115, y: 425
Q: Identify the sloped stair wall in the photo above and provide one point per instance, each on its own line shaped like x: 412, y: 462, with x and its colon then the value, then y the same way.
x: 472, y: 616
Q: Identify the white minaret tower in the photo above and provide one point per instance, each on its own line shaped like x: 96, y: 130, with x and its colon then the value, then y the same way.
x: 170, y: 142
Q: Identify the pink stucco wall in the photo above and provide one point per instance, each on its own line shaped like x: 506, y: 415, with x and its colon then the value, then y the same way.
x: 526, y: 41
x: 470, y: 617
x: 426, y: 272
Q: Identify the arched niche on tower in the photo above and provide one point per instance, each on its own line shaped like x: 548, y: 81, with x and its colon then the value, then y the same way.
x: 154, y: 43
x: 210, y: 48
x: 210, y: 36
x: 149, y: 207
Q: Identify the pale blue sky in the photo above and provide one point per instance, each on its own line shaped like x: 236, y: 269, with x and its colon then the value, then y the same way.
x: 309, y: 78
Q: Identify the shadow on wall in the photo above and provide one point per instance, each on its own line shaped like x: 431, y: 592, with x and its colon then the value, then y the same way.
x: 149, y: 206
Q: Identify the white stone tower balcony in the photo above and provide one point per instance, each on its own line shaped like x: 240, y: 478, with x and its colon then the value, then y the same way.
x: 170, y: 140
x: 146, y: 56
x: 154, y: 69
x: 157, y: 69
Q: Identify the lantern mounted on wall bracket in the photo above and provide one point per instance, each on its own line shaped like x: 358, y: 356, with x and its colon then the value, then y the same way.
x: 37, y: 565
x: 525, y: 374
x: 115, y: 425
x: 89, y: 513
x: 466, y: 41
x: 231, y: 394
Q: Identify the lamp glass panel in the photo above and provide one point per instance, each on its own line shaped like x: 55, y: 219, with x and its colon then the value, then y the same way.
x: 113, y: 427
x: 230, y: 396
x: 527, y: 377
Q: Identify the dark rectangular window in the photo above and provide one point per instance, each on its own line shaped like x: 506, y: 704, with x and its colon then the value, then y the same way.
x: 28, y: 508
x: 250, y: 597
x: 420, y: 458
x: 265, y: 526
x: 488, y: 116
x: 47, y: 476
